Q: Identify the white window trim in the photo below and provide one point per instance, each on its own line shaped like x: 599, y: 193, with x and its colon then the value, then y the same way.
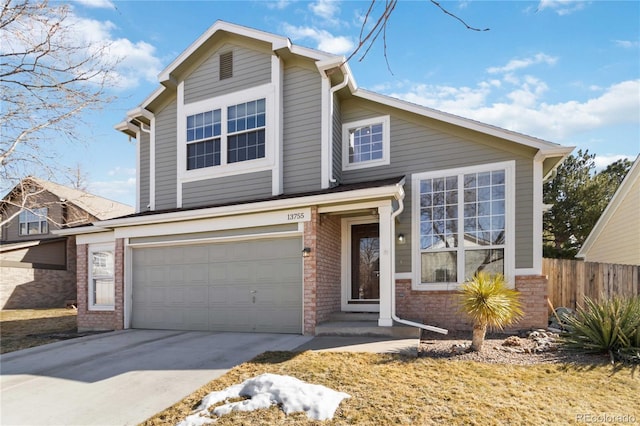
x: 92, y: 306
x: 509, y: 246
x: 266, y: 91
x: 41, y: 217
x: 386, y: 143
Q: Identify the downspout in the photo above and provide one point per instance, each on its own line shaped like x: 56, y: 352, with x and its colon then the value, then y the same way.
x: 393, y: 274
x: 332, y: 91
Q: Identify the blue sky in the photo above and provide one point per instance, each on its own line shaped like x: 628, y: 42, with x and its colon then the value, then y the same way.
x: 564, y: 71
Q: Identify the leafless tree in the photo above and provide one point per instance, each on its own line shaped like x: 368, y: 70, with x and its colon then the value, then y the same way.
x: 49, y: 75
x: 373, y: 26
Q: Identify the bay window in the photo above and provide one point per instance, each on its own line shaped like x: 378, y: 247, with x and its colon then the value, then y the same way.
x: 460, y: 224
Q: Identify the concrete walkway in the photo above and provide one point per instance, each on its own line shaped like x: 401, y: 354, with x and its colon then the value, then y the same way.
x: 120, y: 378
x: 361, y: 344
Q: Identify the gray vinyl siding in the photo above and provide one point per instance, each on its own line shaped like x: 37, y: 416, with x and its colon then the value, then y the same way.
x: 302, y: 130
x: 417, y: 148
x: 337, y: 141
x: 166, y: 157
x: 144, y: 171
x: 250, y: 186
x: 250, y: 68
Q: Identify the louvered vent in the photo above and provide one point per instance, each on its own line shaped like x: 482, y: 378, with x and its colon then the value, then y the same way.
x: 226, y: 65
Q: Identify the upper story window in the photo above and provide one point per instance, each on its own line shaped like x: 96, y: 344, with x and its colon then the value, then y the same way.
x: 203, y: 139
x: 33, y: 222
x: 366, y: 143
x: 210, y: 143
x: 461, y: 226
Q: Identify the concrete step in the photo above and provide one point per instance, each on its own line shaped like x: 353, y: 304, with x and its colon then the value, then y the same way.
x: 353, y: 316
x: 365, y: 328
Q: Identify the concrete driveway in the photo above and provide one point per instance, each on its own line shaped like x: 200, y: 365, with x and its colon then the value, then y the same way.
x: 120, y: 378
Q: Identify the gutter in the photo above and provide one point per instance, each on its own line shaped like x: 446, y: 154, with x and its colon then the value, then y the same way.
x: 332, y: 91
x: 393, y: 272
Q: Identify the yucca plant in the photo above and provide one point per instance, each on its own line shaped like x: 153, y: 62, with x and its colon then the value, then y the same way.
x: 609, y: 326
x: 490, y: 303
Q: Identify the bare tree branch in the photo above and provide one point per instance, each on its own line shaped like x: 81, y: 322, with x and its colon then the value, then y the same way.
x: 367, y: 38
x: 49, y: 75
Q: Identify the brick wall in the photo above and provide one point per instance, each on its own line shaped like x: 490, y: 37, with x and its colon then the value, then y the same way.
x: 310, y: 275
x: 440, y: 308
x: 329, y: 273
x: 100, y: 320
x: 29, y: 288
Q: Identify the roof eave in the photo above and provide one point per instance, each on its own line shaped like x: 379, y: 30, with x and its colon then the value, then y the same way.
x: 387, y: 191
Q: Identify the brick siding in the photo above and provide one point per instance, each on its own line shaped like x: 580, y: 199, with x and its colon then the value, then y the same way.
x: 328, y: 267
x: 29, y: 288
x: 440, y: 308
x: 100, y: 320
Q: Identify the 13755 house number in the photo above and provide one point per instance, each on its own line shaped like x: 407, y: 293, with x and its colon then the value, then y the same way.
x: 295, y: 216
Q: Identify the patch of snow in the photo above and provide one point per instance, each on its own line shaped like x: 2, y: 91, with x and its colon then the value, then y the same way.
x: 293, y: 395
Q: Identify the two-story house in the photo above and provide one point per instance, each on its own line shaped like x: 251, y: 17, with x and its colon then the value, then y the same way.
x: 38, y: 267
x: 273, y: 192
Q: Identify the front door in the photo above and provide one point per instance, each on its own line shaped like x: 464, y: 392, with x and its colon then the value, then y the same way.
x: 363, y: 286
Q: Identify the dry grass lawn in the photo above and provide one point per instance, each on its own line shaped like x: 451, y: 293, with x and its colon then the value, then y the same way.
x: 26, y: 328
x: 391, y: 389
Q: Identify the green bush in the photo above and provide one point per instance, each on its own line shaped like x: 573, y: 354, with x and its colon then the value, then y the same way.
x: 610, y: 326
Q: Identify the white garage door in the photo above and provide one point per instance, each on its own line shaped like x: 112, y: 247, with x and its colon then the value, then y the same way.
x: 239, y: 286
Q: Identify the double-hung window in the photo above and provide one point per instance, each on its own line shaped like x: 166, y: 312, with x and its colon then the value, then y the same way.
x: 33, y: 222
x: 460, y: 221
x: 101, y: 277
x: 366, y: 143
x: 232, y: 134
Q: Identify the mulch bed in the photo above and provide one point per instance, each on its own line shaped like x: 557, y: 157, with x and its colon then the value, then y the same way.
x: 517, y: 350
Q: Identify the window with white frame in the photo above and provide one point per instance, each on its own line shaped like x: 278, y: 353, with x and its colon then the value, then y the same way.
x: 366, y: 143
x: 460, y: 218
x: 33, y: 221
x: 226, y: 135
x: 101, y: 277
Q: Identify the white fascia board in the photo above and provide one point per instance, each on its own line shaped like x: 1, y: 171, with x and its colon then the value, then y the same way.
x: 619, y: 196
x: 80, y: 231
x: 541, y: 145
x: 277, y: 42
x: 263, y: 206
x: 127, y: 128
x: 316, y: 55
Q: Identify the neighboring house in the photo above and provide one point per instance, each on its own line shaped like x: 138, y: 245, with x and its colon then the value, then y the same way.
x: 274, y: 192
x: 615, y: 238
x: 38, y: 267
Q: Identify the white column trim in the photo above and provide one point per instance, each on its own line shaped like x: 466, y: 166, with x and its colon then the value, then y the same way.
x: 386, y: 239
x: 537, y: 214
x: 325, y: 149
x: 152, y: 164
x: 127, y: 287
x: 138, y: 193
x: 277, y: 183
x: 180, y: 141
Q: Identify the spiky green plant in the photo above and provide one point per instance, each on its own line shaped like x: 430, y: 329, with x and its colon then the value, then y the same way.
x: 609, y: 326
x: 490, y: 303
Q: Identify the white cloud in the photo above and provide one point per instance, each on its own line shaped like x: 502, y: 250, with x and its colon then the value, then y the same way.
x: 602, y: 161
x: 562, y: 7
x: 122, y: 190
x: 326, y: 9
x: 523, y: 110
x: 517, y: 64
x: 325, y: 41
x: 98, y: 4
x: 278, y: 5
x: 626, y: 44
x: 121, y: 171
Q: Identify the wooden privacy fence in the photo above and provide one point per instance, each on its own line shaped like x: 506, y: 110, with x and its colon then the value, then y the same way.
x: 571, y: 280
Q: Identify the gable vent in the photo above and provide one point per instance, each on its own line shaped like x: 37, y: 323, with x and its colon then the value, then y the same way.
x: 226, y: 65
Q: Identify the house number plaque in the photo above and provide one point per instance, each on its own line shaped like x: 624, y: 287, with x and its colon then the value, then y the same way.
x: 296, y: 216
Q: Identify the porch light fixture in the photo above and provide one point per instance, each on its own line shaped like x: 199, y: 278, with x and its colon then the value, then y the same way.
x: 306, y: 252
x: 401, y: 239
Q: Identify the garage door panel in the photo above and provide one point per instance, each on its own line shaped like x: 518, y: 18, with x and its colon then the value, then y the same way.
x: 211, y: 287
